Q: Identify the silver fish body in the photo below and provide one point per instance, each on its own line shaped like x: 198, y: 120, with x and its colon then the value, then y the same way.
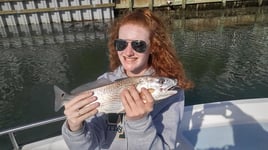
x: 108, y: 93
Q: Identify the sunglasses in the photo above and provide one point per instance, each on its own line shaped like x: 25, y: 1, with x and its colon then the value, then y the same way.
x: 138, y: 45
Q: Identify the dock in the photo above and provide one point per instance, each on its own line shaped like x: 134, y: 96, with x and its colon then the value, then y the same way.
x: 28, y: 12
x: 25, y: 12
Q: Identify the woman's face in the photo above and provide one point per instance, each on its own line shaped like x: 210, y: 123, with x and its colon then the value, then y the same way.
x: 135, y: 63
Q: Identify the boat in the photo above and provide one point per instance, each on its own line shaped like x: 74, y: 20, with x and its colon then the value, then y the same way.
x: 226, y: 125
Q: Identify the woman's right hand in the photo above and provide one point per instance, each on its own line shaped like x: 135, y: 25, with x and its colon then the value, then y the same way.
x: 80, y: 108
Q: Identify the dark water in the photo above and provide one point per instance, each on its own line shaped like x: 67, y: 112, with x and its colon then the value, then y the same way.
x: 225, y: 63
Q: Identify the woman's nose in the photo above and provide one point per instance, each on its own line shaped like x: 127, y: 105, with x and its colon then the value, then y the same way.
x: 129, y: 51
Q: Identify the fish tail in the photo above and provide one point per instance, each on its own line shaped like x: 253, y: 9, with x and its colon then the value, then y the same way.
x: 59, y: 98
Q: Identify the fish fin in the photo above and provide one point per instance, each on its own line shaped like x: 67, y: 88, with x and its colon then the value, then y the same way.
x: 91, y: 85
x: 59, y: 98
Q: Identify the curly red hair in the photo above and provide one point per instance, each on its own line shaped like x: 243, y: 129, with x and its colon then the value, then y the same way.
x: 163, y: 56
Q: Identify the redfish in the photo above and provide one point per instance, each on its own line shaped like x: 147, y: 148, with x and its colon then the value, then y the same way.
x: 108, y: 93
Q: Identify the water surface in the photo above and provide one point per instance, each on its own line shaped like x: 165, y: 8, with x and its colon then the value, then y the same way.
x: 225, y: 64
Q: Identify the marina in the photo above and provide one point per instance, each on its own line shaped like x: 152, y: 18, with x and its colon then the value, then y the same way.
x: 14, y: 36
x: 28, y: 12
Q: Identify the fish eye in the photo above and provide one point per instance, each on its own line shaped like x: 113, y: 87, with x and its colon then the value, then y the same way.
x: 161, y: 81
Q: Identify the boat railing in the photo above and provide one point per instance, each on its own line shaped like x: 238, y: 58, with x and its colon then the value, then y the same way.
x: 11, y: 131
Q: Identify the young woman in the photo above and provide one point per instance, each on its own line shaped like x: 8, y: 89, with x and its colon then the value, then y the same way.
x: 138, y: 45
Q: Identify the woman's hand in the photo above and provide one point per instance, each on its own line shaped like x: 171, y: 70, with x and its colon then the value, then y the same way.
x: 137, y: 105
x: 80, y: 108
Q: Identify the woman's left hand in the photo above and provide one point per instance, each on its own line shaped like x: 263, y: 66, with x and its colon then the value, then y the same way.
x: 137, y: 105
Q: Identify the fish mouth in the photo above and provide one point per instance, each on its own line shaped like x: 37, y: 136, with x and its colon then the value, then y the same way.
x: 172, y: 88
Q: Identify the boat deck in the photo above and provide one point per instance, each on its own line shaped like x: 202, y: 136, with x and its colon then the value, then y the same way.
x: 229, y: 125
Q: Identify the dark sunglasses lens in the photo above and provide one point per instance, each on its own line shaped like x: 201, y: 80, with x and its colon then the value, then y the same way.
x: 120, y: 44
x: 139, y: 46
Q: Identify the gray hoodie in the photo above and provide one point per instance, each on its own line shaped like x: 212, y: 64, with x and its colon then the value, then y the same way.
x: 157, y: 131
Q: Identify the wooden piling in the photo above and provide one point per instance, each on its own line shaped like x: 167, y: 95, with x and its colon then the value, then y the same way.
x: 223, y: 3
x: 260, y: 2
x: 151, y: 4
x: 183, y: 4
x: 130, y: 5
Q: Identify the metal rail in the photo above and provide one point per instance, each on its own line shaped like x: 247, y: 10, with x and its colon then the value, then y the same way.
x: 11, y: 131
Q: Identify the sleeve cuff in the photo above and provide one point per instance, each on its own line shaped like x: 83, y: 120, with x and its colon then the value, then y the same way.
x: 73, y: 133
